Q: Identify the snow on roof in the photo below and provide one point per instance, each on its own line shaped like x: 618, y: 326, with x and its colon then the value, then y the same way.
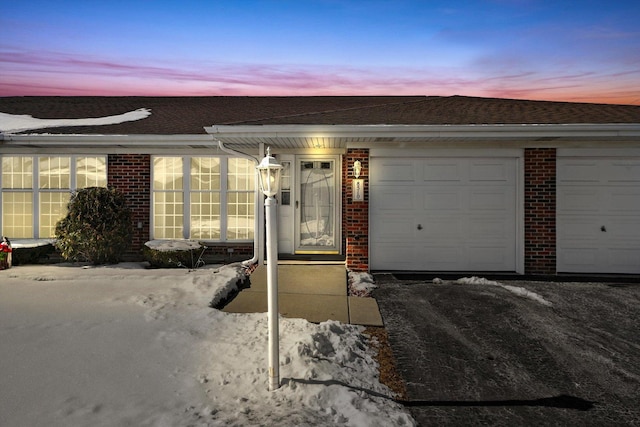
x: 11, y: 123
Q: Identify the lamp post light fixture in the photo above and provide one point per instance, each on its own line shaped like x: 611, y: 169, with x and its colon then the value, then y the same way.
x: 270, y: 171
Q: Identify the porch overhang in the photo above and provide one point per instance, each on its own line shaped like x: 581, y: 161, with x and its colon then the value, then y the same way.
x: 285, y: 137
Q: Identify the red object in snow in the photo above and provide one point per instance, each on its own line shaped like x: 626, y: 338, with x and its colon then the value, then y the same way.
x: 5, y: 251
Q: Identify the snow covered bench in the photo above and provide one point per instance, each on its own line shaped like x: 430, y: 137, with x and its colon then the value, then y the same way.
x: 174, y: 253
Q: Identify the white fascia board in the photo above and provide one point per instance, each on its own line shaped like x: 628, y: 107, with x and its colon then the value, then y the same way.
x: 492, y: 131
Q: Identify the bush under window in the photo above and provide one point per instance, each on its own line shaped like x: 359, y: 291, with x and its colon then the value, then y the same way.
x: 97, y: 228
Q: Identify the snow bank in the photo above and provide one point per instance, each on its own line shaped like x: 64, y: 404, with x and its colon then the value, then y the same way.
x: 124, y: 345
x: 361, y: 283
x: 12, y: 123
x: 328, y: 376
x: 476, y: 281
x: 514, y: 289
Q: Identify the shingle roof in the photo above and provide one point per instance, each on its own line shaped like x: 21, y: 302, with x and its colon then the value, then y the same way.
x: 189, y: 115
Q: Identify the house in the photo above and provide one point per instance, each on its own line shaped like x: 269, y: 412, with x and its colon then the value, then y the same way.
x: 446, y: 184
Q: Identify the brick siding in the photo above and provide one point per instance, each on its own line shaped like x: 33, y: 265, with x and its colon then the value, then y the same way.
x: 355, y: 215
x: 131, y: 174
x: 540, y: 210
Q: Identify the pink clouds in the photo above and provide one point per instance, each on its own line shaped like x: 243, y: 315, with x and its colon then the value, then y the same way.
x: 46, y: 73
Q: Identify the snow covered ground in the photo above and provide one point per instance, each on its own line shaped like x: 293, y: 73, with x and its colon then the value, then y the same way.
x: 125, y: 345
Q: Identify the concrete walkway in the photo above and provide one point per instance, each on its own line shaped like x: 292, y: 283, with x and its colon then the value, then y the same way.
x: 316, y: 292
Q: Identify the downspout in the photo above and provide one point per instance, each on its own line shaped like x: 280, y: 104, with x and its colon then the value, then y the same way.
x: 256, y: 226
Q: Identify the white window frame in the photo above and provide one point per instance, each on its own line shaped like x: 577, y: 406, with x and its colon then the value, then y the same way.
x: 186, y: 192
x: 35, y: 189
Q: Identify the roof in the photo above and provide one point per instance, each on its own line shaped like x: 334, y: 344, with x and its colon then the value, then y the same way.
x: 190, y: 115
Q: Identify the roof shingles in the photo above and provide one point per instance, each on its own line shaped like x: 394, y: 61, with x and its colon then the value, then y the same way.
x: 189, y: 115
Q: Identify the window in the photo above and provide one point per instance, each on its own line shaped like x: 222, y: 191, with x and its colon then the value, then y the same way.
x: 240, y: 199
x: 36, y: 190
x: 168, y: 197
x: 203, y: 198
x: 285, y: 184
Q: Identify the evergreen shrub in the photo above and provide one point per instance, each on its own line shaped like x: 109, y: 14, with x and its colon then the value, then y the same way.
x: 97, y: 228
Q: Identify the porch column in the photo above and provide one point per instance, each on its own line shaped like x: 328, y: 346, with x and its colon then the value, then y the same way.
x: 355, y: 216
x: 540, y: 211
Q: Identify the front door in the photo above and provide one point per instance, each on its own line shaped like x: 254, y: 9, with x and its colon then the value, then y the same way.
x: 317, y: 227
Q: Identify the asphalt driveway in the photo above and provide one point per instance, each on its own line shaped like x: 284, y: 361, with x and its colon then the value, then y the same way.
x: 518, y: 353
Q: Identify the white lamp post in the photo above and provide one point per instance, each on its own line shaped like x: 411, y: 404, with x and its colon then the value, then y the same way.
x: 270, y: 171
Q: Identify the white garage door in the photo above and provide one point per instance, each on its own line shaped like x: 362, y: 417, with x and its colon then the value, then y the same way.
x: 443, y: 214
x: 598, y: 214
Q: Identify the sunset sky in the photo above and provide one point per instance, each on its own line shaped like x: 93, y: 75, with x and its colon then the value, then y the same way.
x: 553, y: 50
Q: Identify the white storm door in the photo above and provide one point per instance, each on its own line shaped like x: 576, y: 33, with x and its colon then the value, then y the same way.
x: 316, y: 206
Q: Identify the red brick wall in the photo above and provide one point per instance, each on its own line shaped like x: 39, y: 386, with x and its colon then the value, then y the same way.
x: 355, y: 215
x: 131, y: 174
x: 540, y: 211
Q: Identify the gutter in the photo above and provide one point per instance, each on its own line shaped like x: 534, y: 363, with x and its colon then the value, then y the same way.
x: 510, y: 131
x: 97, y: 140
x: 256, y: 226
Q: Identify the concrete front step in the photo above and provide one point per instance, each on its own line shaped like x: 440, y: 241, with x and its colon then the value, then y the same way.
x: 316, y: 293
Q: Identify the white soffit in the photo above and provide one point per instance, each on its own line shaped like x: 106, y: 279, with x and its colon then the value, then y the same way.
x: 338, y: 136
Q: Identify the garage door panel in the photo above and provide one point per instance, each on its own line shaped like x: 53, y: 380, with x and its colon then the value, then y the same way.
x: 395, y: 199
x: 440, y: 258
x: 623, y: 229
x: 488, y: 229
x: 438, y: 170
x: 598, y: 215
x: 579, y: 259
x: 490, y: 170
x: 439, y: 199
x: 579, y: 172
x: 394, y: 228
x: 578, y: 199
x: 489, y: 199
x: 395, y: 256
x: 622, y: 200
x: 394, y: 170
x: 489, y: 258
x: 624, y: 171
x: 440, y: 227
x: 580, y: 228
x: 624, y: 259
x: 458, y: 203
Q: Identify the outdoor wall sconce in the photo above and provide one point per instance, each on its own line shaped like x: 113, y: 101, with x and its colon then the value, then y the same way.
x: 357, y: 183
x: 357, y: 169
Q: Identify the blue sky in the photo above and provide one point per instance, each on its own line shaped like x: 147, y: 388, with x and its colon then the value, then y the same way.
x: 555, y: 50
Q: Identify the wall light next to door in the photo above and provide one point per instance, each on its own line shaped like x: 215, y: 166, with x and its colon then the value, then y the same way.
x: 357, y: 169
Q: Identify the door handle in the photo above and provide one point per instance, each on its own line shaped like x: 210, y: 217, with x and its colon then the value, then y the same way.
x: 296, y: 204
x: 419, y: 226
